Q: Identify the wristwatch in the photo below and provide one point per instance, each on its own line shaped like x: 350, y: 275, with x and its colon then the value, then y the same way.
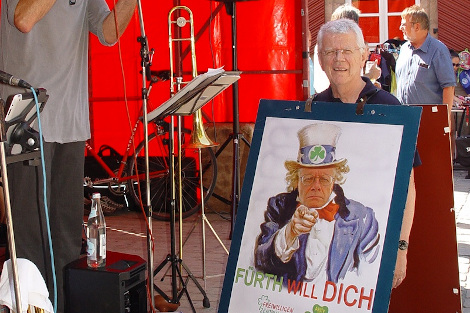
x: 402, y: 245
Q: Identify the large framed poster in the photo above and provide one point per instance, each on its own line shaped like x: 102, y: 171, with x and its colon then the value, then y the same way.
x: 318, y: 224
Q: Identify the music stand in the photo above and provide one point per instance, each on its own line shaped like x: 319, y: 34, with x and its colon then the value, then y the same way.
x: 22, y: 141
x: 15, y: 129
x: 188, y: 100
x: 195, y: 94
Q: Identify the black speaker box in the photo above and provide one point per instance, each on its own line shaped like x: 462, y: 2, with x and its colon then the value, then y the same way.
x: 119, y: 287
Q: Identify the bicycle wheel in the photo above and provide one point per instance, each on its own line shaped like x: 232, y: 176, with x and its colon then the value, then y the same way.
x: 160, y: 193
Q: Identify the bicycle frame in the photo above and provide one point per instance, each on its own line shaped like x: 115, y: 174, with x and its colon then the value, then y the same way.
x: 117, y: 178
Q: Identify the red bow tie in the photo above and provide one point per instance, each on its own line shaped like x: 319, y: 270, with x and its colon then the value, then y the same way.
x: 328, y: 212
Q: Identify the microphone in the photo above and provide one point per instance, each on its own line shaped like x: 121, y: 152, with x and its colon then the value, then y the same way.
x: 9, y: 79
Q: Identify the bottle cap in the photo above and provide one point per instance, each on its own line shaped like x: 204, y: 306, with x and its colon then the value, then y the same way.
x: 96, y: 195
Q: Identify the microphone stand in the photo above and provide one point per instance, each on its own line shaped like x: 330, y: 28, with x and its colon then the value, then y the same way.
x: 145, y: 59
x: 9, y: 220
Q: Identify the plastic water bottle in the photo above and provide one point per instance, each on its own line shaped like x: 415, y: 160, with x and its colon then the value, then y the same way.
x: 96, y: 234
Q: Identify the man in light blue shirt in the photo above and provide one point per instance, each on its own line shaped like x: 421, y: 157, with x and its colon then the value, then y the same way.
x: 424, y: 69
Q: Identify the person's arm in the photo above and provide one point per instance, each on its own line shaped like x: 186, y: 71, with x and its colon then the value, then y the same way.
x: 29, y: 12
x: 279, y: 208
x: 408, y: 215
x: 373, y: 72
x: 448, y: 98
x: 124, y: 9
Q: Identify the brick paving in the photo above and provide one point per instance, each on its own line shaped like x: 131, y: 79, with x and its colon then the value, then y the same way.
x: 126, y: 233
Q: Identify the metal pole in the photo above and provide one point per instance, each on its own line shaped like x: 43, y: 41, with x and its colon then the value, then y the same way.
x: 203, y: 226
x: 236, y: 126
x: 305, y: 50
x: 171, y: 154
x: 9, y: 220
x: 180, y: 188
x: 145, y: 59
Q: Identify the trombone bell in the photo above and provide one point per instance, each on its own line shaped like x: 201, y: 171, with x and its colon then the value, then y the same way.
x: 199, y: 138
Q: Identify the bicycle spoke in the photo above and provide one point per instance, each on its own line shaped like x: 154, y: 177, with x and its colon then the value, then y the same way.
x: 160, y: 184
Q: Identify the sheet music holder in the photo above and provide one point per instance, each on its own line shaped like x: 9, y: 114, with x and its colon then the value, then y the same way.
x: 195, y: 94
x: 20, y: 113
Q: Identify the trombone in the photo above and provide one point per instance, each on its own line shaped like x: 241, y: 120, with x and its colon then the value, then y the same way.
x: 163, y: 300
x: 199, y: 138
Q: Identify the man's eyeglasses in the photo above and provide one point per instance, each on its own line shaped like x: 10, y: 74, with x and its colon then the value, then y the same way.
x: 402, y: 25
x: 334, y: 52
x: 324, y: 180
x: 455, y: 64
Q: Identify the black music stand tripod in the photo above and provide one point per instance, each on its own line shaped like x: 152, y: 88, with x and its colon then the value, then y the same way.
x: 189, y: 99
x: 235, y: 136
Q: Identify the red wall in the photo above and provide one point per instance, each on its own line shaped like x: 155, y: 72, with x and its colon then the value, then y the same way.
x: 269, y: 39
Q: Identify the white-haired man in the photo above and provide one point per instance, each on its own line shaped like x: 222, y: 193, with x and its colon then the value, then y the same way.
x: 341, y: 45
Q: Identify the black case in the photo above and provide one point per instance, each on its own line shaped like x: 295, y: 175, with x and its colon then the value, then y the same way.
x: 463, y: 151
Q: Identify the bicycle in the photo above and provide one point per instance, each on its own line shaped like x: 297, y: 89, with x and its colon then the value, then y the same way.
x: 124, y: 179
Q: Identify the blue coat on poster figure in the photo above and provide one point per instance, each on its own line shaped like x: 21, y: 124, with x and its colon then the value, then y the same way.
x: 313, y: 232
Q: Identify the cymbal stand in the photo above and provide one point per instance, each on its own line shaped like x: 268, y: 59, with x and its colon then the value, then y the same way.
x: 145, y: 59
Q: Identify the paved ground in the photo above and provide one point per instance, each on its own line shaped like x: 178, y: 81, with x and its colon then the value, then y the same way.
x: 126, y: 234
x: 462, y: 211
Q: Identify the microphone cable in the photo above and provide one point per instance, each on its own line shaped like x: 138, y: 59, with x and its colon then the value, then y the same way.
x: 46, y: 209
